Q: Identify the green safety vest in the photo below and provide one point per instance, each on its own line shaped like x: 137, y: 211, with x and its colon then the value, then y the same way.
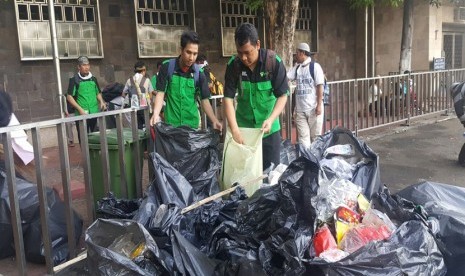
x: 255, y: 102
x: 87, y: 96
x: 181, y: 108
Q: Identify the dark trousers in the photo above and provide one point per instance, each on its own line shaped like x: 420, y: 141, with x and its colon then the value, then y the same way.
x: 91, y: 124
x: 271, y: 149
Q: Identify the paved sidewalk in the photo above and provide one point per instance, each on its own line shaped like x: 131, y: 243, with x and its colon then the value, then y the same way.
x: 428, y: 149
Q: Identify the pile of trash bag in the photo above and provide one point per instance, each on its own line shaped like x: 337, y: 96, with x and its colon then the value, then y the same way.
x: 28, y: 199
x: 193, y: 153
x: 275, y: 231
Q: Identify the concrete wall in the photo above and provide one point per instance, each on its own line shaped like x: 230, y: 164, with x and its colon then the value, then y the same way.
x: 340, y: 37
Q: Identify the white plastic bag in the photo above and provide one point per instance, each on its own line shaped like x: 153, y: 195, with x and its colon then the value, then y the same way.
x: 242, y: 163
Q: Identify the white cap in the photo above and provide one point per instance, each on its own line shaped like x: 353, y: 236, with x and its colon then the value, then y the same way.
x: 303, y: 47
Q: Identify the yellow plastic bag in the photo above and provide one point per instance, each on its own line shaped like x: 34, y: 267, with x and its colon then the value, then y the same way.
x: 242, y: 163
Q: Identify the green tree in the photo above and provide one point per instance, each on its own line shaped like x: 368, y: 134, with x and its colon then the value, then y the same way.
x: 405, y: 61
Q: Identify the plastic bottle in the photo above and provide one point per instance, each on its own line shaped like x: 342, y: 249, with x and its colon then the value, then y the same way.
x: 134, y: 101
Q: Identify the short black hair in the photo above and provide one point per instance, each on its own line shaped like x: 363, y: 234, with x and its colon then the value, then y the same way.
x: 139, y: 67
x: 160, y: 63
x: 189, y: 37
x: 244, y: 33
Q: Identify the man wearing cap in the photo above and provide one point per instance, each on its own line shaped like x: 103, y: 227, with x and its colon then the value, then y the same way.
x: 259, y: 78
x: 308, y: 95
x: 141, y: 86
x: 84, y: 94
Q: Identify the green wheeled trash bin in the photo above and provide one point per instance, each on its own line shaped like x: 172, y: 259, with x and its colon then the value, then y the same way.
x: 113, y: 156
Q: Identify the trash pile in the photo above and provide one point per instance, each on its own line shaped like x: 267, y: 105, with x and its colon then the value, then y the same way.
x: 327, y: 214
x: 28, y: 199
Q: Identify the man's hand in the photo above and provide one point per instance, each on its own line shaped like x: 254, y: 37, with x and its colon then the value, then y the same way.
x: 266, y: 126
x: 217, y: 125
x: 237, y: 136
x: 318, y: 109
x: 154, y: 119
x: 103, y: 106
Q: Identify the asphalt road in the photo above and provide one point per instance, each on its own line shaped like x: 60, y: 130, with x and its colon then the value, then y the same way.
x: 426, y: 150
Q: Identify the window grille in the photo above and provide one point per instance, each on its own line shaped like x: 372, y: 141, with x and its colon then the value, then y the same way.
x: 303, y: 26
x: 160, y: 24
x: 234, y: 13
x: 77, y: 26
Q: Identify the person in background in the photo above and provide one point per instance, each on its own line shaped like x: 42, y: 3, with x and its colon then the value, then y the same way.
x: 308, y: 96
x: 256, y: 108
x: 375, y: 95
x: 181, y: 89
x: 138, y: 89
x: 84, y: 94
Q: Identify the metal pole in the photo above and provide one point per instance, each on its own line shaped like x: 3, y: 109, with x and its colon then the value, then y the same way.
x: 56, y: 60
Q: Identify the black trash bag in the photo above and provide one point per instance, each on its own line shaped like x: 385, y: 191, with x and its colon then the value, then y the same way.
x: 283, y: 253
x: 111, y: 207
x: 288, y: 153
x: 148, y: 207
x: 411, y: 250
x: 260, y: 214
x: 194, y: 153
x: 298, y: 184
x: 397, y: 208
x: 76, y: 269
x: 111, y: 244
x: 28, y: 200
x: 444, y: 203
x: 190, y: 260
x: 366, y: 174
x: 169, y: 185
x: 33, y: 244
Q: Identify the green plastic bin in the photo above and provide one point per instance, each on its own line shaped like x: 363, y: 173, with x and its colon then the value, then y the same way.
x: 114, y: 161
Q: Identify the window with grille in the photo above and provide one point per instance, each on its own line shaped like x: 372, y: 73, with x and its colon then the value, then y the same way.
x: 303, y: 26
x: 77, y: 26
x: 234, y: 13
x: 160, y: 24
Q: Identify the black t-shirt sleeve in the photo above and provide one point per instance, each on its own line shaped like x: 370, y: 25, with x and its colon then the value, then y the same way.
x: 279, y: 81
x: 230, y: 80
x: 71, y: 87
x: 203, y: 86
x: 162, y: 78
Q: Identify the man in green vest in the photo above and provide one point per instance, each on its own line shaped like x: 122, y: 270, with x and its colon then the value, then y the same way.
x: 84, y: 94
x: 182, y: 86
x: 259, y: 78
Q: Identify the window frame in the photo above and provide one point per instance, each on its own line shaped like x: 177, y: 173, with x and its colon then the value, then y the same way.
x: 149, y: 29
x: 238, y: 18
x: 47, y: 49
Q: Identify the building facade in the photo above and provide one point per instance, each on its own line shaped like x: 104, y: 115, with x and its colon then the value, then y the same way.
x: 117, y: 33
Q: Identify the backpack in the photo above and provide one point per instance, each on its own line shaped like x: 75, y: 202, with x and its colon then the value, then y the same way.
x: 171, y: 65
x: 216, y: 87
x: 326, y: 99
x: 112, y: 91
x: 77, y: 80
x: 133, y: 90
x: 270, y: 65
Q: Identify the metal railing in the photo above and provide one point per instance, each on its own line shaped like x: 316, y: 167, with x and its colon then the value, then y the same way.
x: 60, y: 124
x: 353, y: 105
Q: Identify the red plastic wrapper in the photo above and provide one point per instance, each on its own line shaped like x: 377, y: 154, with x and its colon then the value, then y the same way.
x: 362, y: 234
x: 323, y: 240
x: 346, y: 214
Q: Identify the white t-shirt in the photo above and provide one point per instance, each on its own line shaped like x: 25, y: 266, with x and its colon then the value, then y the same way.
x: 305, y: 91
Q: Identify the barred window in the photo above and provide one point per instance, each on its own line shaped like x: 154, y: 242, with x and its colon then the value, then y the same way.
x: 77, y: 26
x: 160, y: 24
x: 234, y: 13
x: 303, y: 25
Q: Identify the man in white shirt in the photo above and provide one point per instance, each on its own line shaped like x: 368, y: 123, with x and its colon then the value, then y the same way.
x: 308, y: 94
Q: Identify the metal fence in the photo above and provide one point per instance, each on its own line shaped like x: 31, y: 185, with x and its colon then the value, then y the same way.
x: 353, y: 105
